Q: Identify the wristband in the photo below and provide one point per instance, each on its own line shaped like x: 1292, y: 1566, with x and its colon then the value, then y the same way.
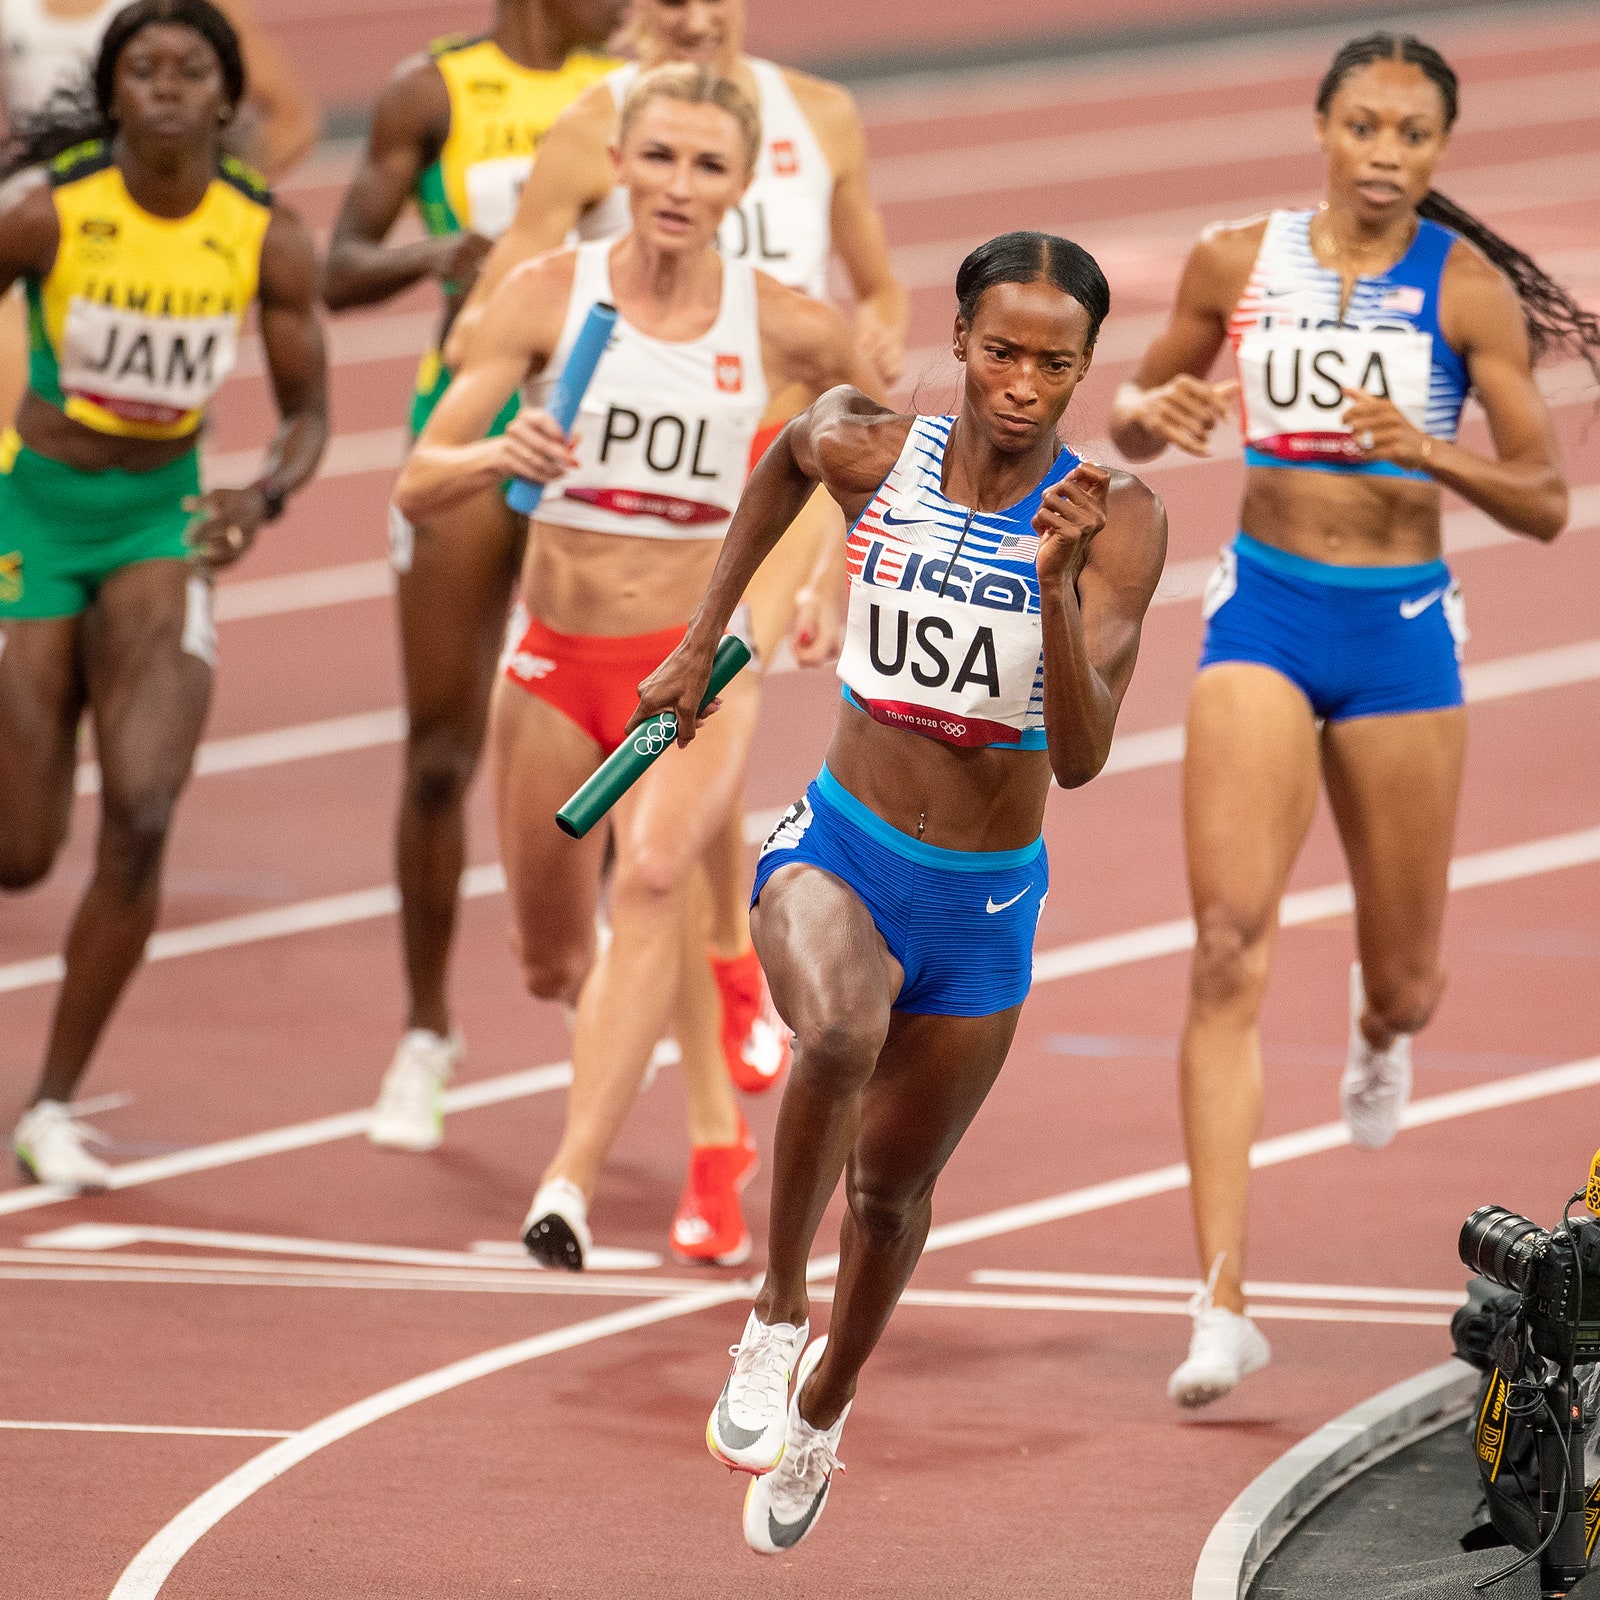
x: 272, y: 494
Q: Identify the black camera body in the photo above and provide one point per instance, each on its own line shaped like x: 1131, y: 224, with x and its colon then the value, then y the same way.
x: 1557, y: 1274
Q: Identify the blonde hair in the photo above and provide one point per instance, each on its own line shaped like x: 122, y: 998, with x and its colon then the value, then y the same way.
x: 694, y: 86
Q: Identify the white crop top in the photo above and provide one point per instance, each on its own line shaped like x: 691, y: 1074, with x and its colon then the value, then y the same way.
x: 944, y: 636
x: 783, y: 223
x: 40, y: 53
x: 666, y: 427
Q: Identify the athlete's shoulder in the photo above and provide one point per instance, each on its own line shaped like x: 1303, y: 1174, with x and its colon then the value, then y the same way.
x: 79, y: 162
x: 829, y: 107
x: 1227, y: 241
x: 451, y: 44
x: 1132, y: 548
x: 855, y: 439
x: 541, y: 278
x: 811, y: 333
x: 245, y: 180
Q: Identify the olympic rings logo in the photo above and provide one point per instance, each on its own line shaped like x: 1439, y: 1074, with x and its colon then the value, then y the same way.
x: 954, y: 729
x: 656, y: 735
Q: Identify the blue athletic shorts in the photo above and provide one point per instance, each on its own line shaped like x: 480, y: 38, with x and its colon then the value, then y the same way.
x: 960, y: 922
x: 1356, y: 641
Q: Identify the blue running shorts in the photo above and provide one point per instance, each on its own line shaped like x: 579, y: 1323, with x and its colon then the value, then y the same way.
x: 960, y: 922
x: 1356, y: 641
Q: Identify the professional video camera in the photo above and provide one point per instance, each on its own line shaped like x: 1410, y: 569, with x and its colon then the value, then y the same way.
x: 1539, y: 1344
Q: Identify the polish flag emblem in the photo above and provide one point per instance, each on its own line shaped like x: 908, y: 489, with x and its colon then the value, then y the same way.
x: 730, y: 374
x: 784, y: 160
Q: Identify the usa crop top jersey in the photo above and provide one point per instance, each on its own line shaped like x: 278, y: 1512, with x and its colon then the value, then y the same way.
x: 1295, y: 351
x: 664, y: 431
x: 783, y: 222
x: 944, y: 636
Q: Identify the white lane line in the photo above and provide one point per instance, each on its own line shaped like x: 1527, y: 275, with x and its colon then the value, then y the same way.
x: 975, y: 1300
x: 136, y: 1427
x: 90, y: 1236
x: 1186, y: 143
x: 1090, y: 955
x: 303, y: 591
x: 1004, y: 1279
x: 148, y: 1570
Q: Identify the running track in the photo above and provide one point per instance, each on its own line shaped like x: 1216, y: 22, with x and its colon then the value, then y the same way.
x: 401, y: 1415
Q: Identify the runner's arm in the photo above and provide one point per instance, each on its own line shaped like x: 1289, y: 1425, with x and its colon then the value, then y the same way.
x: 30, y: 231
x: 845, y: 441
x: 1102, y: 543
x: 279, y: 121
x: 571, y: 173
x: 411, y: 121
x: 1168, y: 400
x: 452, y: 460
x: 883, y: 307
x: 297, y: 361
x: 1522, y: 487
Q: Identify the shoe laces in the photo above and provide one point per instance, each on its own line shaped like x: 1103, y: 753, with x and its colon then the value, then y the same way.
x: 1202, y: 1300
x: 760, y: 1370
x: 806, y: 1466
x: 56, y: 1121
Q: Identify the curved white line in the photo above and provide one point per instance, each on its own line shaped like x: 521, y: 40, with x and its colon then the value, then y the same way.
x: 150, y: 1569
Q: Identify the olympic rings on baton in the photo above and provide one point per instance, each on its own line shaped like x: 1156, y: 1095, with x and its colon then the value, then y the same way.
x: 656, y: 735
x: 1364, y: 438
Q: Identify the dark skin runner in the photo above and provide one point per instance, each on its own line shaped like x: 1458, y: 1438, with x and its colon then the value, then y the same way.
x: 123, y: 658
x: 455, y: 595
x: 883, y: 1095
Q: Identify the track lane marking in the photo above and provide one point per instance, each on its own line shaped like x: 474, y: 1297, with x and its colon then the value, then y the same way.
x: 144, y: 1576
x: 1005, y: 1279
x: 1505, y: 864
x: 139, y: 1427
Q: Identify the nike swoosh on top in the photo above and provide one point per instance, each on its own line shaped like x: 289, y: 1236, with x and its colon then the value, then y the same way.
x: 991, y: 908
x: 890, y: 520
x: 729, y: 1431
x: 787, y: 1535
x: 1415, y: 608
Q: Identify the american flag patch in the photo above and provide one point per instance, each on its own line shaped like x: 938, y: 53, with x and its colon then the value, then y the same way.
x: 1024, y: 546
x: 1407, y: 299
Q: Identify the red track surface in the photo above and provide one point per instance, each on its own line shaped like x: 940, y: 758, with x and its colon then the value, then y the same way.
x: 996, y: 1449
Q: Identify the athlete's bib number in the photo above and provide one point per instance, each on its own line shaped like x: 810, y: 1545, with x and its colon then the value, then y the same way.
x: 493, y: 190
x: 142, y: 368
x: 940, y: 667
x: 1293, y: 381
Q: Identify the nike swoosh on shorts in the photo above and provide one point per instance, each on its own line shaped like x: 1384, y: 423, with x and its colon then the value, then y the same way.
x: 1415, y: 608
x: 991, y: 907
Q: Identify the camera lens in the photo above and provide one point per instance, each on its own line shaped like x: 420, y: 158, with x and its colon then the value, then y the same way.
x: 1502, y: 1246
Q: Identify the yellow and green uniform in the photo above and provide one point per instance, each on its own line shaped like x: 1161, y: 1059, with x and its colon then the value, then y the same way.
x: 132, y: 331
x: 499, y: 115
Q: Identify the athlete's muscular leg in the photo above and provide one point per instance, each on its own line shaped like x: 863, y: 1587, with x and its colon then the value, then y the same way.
x: 1393, y: 783
x: 41, y: 699
x: 539, y: 758
x: 661, y: 828
x: 932, y: 1075
x: 453, y: 605
x: 148, y: 697
x: 1249, y: 794
x: 833, y: 981
x: 713, y: 1112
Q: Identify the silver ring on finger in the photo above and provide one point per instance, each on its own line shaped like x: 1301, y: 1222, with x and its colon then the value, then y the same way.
x: 1364, y: 438
x: 236, y: 538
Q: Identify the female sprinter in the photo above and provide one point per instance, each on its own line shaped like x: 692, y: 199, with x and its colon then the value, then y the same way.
x: 617, y: 554
x: 141, y: 249
x: 997, y: 590
x: 456, y: 132
x: 1333, y: 625
x: 809, y: 197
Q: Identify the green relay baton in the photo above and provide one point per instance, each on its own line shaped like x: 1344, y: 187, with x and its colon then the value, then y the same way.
x: 629, y: 762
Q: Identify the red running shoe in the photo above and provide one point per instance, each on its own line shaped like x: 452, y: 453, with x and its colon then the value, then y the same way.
x: 709, y: 1229
x: 755, y: 1043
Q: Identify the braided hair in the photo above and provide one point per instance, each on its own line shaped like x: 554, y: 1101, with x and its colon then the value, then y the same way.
x: 1555, y: 320
x: 81, y: 112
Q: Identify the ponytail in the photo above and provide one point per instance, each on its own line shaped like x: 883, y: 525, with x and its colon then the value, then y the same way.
x: 1555, y: 320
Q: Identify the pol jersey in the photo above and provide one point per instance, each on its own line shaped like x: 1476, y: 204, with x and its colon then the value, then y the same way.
x: 1295, y: 350
x: 783, y: 223
x: 665, y: 429
x: 944, y: 636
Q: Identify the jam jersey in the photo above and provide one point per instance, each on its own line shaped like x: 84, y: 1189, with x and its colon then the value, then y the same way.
x: 944, y: 635
x: 782, y: 224
x: 665, y: 429
x: 136, y: 323
x: 1295, y: 351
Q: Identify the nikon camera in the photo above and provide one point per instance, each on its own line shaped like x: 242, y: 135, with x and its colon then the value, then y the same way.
x: 1557, y: 1274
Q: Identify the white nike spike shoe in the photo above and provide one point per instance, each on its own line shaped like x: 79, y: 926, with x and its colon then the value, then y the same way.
x: 782, y: 1506
x: 1377, y: 1083
x: 556, y: 1229
x: 49, y: 1147
x: 409, y: 1114
x: 747, y: 1425
x: 1224, y: 1348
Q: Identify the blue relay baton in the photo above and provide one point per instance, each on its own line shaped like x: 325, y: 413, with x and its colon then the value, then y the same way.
x: 524, y: 495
